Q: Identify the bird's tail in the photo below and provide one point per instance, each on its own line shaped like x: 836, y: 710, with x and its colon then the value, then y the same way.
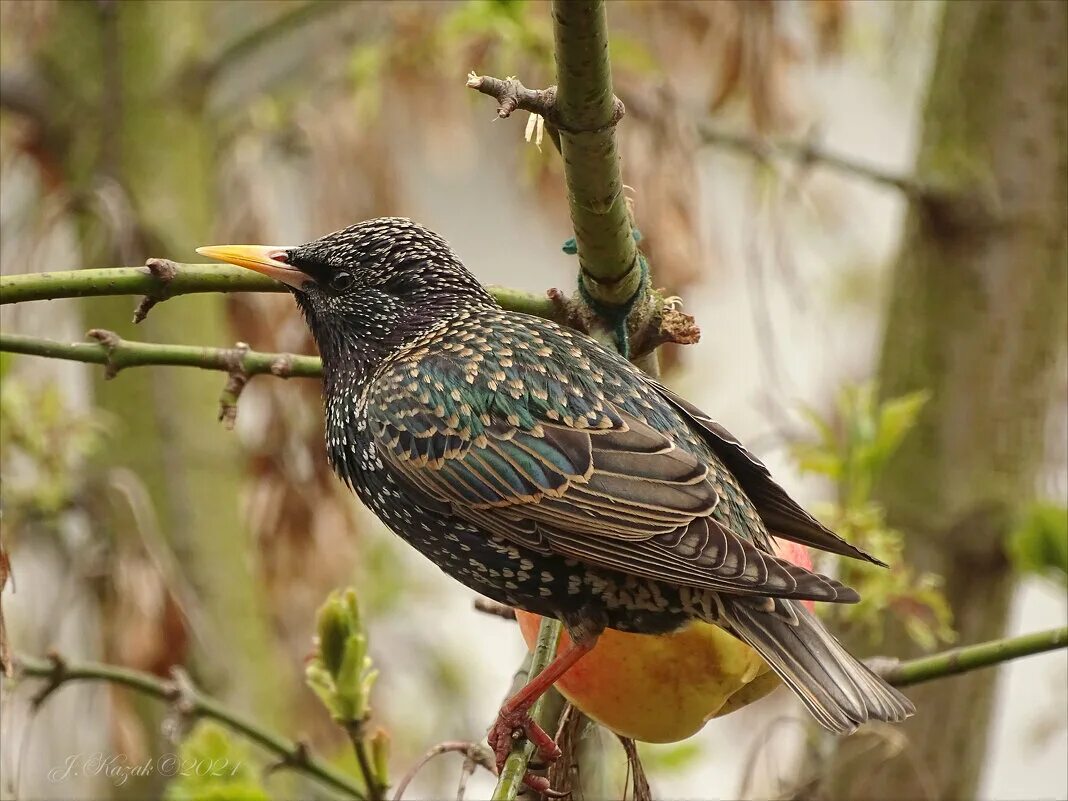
x: 839, y: 691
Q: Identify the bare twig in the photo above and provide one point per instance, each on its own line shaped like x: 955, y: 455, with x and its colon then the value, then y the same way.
x: 235, y: 384
x: 292, y: 18
x: 163, y: 270
x: 57, y: 672
x: 584, y: 111
x: 474, y: 753
x: 515, y: 767
x: 807, y: 153
x: 639, y: 781
x: 510, y: 95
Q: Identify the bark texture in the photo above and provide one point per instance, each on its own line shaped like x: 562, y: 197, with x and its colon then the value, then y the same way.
x: 141, y: 163
x: 977, y: 316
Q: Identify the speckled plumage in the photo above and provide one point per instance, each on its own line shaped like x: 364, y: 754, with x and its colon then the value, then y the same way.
x: 546, y: 472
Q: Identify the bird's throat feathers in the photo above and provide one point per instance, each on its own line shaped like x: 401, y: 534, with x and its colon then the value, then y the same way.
x: 356, y: 337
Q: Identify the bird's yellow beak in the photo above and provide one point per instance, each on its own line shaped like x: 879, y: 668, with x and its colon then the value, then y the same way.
x: 267, y: 259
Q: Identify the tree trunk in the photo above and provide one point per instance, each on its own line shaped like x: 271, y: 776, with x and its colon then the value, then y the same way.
x: 977, y: 316
x: 142, y: 161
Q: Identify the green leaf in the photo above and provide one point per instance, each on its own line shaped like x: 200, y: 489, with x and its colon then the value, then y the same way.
x: 811, y: 458
x: 897, y: 416
x: 1039, y: 544
x: 213, y: 767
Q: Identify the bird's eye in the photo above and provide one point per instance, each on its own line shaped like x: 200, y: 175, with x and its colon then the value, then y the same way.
x: 341, y: 281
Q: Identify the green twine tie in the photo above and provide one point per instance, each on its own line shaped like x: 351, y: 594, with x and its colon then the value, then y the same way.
x: 615, y: 314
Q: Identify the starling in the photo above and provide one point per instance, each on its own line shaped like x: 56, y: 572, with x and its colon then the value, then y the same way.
x: 546, y: 472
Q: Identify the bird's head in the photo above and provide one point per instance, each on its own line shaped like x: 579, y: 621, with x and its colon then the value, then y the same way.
x: 368, y: 288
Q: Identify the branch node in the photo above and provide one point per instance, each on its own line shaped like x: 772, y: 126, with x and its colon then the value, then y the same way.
x: 567, y: 312
x: 57, y: 674
x: 182, y: 697
x: 511, y: 95
x: 144, y: 306
x: 235, y: 384
x: 164, y: 271
x: 282, y: 365
x: 297, y: 758
x: 111, y: 342
x: 883, y: 666
x: 679, y: 327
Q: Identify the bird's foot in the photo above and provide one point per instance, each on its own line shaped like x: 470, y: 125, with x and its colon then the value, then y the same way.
x: 512, y: 724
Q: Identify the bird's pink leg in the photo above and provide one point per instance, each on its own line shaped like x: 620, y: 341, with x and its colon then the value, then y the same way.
x: 514, y: 718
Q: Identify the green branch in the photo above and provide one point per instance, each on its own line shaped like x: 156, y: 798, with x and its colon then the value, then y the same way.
x: 192, y: 703
x: 187, y: 279
x: 174, y: 279
x: 587, y: 111
x: 973, y: 657
x: 581, y: 113
x: 118, y: 354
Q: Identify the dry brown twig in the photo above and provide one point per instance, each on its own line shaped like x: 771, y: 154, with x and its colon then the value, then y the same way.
x: 474, y: 753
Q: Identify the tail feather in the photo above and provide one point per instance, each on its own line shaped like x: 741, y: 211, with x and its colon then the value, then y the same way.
x: 839, y: 691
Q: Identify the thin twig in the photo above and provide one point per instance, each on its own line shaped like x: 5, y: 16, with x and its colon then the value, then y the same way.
x: 511, y: 95
x: 194, y: 703
x: 292, y: 18
x: 375, y: 790
x: 973, y: 657
x: 808, y: 153
x: 638, y: 780
x: 475, y: 753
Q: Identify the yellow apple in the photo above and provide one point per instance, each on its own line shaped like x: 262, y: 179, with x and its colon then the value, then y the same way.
x: 662, y: 689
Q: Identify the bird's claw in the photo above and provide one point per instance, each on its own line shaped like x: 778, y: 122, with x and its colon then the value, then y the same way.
x: 510, y: 726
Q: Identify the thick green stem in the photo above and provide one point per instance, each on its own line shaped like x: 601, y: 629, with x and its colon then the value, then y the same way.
x: 194, y: 704
x: 194, y: 278
x: 587, y: 111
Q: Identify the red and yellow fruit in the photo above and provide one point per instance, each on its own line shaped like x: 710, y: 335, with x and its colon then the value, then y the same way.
x: 664, y: 689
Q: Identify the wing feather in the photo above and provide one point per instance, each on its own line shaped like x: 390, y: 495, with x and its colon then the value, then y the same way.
x: 621, y: 496
x: 781, y: 514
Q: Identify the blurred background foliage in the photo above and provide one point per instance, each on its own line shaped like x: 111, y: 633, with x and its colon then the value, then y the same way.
x: 143, y: 535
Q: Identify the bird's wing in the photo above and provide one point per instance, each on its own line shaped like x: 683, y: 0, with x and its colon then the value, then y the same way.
x: 605, y: 489
x: 781, y: 514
